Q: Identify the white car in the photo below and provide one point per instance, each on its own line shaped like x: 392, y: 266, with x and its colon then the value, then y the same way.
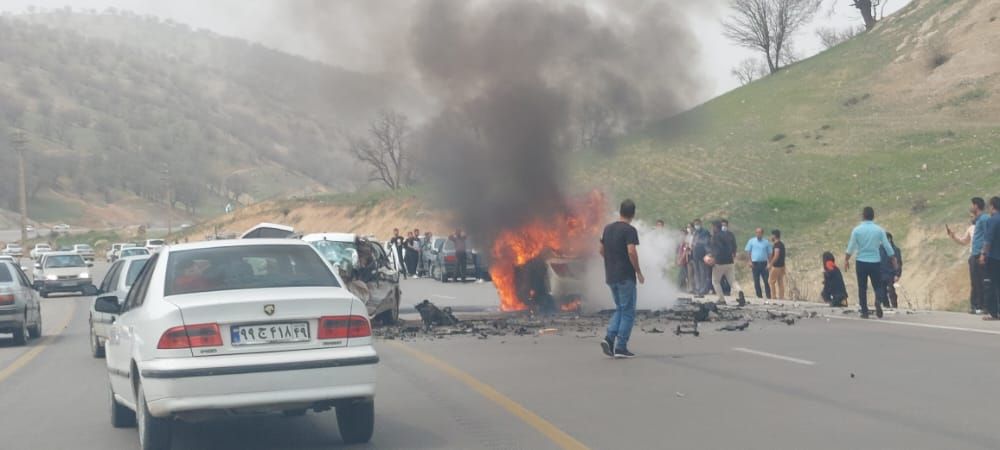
x: 118, y: 280
x: 154, y: 245
x: 39, y: 250
x: 230, y: 327
x: 84, y: 250
x: 113, y: 253
x: 13, y: 250
x: 61, y: 228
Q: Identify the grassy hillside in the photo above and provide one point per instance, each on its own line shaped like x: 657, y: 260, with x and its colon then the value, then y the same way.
x: 122, y: 109
x: 903, y: 118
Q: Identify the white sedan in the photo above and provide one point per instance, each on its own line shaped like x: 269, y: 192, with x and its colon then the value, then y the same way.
x: 223, y: 328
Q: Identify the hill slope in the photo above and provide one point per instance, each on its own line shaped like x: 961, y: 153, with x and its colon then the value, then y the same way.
x: 903, y: 118
x: 111, y: 101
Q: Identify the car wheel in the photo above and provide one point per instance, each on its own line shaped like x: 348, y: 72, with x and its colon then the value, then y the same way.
x: 35, y: 331
x: 154, y: 433
x: 96, y: 349
x: 356, y: 422
x: 21, y: 336
x: 121, y: 416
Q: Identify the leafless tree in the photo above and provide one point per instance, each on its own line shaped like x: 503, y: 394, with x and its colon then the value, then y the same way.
x: 768, y: 25
x: 384, y: 150
x: 871, y: 11
x: 748, y: 70
x: 831, y: 37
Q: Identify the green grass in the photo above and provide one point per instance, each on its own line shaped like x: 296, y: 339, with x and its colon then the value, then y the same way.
x: 46, y: 208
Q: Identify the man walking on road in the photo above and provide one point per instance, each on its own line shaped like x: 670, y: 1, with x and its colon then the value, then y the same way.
x: 990, y: 259
x: 760, y: 250
x: 975, y: 237
x: 776, y: 266
x: 724, y: 253
x: 866, y: 238
x: 621, y: 270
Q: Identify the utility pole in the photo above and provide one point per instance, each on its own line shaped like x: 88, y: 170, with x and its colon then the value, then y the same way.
x: 170, y: 198
x: 20, y: 142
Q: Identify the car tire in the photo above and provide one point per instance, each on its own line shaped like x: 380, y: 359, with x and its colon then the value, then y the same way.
x: 35, y: 331
x: 21, y: 336
x: 154, y: 432
x: 356, y: 422
x: 96, y: 349
x: 121, y: 416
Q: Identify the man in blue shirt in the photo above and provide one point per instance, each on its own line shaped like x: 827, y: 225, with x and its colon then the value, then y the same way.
x: 759, y: 250
x: 976, y: 239
x: 990, y: 258
x: 866, y: 239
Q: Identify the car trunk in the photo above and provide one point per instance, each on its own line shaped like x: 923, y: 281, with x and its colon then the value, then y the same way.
x: 264, y: 320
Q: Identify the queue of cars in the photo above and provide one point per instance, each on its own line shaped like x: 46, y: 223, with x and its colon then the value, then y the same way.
x: 20, y: 310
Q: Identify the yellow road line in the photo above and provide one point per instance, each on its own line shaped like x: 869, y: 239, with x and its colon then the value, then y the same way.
x: 25, y: 358
x: 533, y: 420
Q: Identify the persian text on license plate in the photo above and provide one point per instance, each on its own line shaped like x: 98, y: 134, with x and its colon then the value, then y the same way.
x: 269, y: 333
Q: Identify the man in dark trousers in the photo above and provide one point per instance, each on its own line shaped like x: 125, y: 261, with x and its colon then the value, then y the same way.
x: 866, y: 238
x: 890, y: 275
x: 460, y: 253
x: 699, y: 248
x: 760, y: 251
x: 975, y: 238
x: 990, y: 259
x: 621, y: 270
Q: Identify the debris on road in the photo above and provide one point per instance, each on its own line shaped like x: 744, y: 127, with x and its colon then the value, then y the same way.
x: 739, y: 326
x: 434, y: 316
x: 687, y: 328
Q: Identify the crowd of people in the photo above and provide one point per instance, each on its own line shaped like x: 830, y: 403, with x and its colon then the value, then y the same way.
x: 983, y: 238
x: 409, y: 253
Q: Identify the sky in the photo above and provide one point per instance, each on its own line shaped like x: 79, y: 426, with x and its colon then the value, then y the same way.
x: 269, y: 22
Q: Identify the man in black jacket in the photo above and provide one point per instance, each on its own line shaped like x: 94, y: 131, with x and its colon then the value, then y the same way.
x: 890, y: 276
x: 723, y: 250
x: 699, y: 248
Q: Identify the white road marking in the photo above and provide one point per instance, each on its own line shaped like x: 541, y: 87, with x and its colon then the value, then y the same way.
x: 804, y: 362
x: 922, y: 325
x: 446, y: 297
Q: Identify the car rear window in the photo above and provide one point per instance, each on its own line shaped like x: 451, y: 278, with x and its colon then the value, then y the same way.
x: 154, y: 242
x: 5, y: 276
x: 59, y: 261
x: 133, y: 272
x: 134, y: 252
x: 245, y: 267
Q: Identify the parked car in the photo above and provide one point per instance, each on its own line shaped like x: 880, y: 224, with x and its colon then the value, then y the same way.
x: 61, y: 228
x: 154, y: 245
x: 221, y: 328
x: 119, y: 279
x: 444, y: 262
x: 429, y: 254
x: 40, y: 249
x: 112, y: 253
x: 63, y: 272
x: 365, y: 269
x: 20, y: 311
x: 85, y: 251
x: 13, y: 250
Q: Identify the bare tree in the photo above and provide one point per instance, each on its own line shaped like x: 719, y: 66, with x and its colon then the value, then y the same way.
x: 768, y: 25
x: 748, y: 70
x: 384, y: 151
x: 871, y: 11
x: 831, y: 37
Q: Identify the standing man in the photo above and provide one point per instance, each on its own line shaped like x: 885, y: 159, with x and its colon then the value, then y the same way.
x: 975, y: 236
x: 776, y: 266
x: 723, y: 249
x: 621, y: 270
x: 866, y: 238
x: 702, y: 273
x: 759, y: 250
x: 683, y: 255
x: 460, y: 254
x: 990, y: 259
x: 418, y: 238
x: 397, y: 243
x: 890, y: 274
x: 689, y: 244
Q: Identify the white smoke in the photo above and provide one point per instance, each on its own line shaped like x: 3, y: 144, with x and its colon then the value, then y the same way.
x: 657, y: 257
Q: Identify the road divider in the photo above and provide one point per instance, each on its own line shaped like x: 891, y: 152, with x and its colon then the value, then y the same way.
x: 557, y: 436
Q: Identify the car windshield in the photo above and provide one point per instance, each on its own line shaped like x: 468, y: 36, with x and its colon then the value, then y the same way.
x: 134, y: 252
x: 245, y: 267
x: 61, y: 261
x: 337, y: 252
x: 83, y: 247
x: 133, y: 272
x: 154, y: 242
x: 13, y: 246
x: 43, y: 246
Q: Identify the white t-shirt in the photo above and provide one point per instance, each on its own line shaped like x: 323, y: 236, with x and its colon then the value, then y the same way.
x: 969, y: 232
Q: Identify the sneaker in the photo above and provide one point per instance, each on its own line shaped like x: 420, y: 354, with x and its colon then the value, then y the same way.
x: 606, y: 345
x: 878, y: 311
x: 623, y: 353
x: 741, y: 299
x: 864, y: 315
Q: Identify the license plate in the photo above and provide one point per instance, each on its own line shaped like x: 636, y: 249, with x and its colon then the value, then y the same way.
x: 68, y: 284
x: 269, y: 333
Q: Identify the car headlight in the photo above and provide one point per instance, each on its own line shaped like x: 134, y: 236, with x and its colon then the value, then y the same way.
x: 85, y: 275
x: 51, y: 277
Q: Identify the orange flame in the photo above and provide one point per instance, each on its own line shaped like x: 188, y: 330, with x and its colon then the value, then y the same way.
x: 570, y: 233
x: 571, y: 306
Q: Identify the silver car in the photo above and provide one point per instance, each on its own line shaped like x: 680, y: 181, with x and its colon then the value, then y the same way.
x: 20, y: 311
x: 117, y: 282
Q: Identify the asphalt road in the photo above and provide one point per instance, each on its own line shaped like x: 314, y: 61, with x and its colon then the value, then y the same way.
x: 919, y: 381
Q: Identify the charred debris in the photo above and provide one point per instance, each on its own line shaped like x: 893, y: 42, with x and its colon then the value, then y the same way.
x: 683, y: 319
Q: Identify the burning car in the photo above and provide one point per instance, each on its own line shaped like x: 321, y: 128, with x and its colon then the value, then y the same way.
x: 366, y: 270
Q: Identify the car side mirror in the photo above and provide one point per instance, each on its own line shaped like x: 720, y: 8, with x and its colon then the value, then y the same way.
x: 90, y: 264
x: 107, y: 304
x: 38, y: 265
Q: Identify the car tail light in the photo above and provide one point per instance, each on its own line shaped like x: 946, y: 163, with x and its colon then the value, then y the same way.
x: 450, y: 259
x: 6, y: 299
x: 190, y: 336
x: 343, y: 327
